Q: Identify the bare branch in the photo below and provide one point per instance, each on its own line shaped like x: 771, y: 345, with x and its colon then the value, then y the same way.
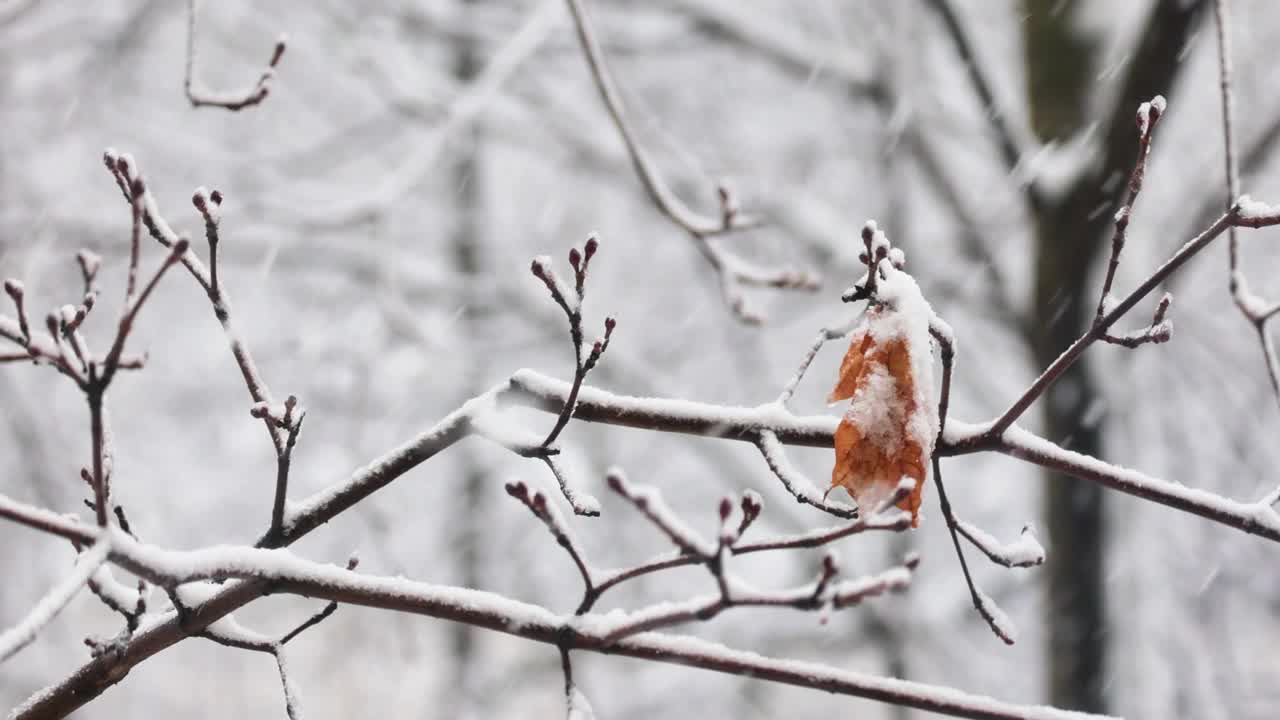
x: 1149, y: 114
x: 824, y: 336
x: 1256, y: 310
x: 283, y: 461
x: 1013, y: 145
x: 995, y: 617
x: 577, y: 706
x: 1236, y: 217
x: 234, y: 101
x: 733, y: 271
x: 580, y: 261
x: 650, y: 504
x: 1222, y: 23
x: 544, y: 511
x: 123, y: 168
x: 130, y: 312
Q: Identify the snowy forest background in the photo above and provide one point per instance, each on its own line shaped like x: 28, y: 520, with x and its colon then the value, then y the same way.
x: 382, y: 208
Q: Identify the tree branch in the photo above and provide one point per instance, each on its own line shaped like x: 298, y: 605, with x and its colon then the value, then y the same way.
x: 1013, y: 145
x: 734, y: 272
x: 21, y: 635
x: 288, y: 573
x: 233, y: 101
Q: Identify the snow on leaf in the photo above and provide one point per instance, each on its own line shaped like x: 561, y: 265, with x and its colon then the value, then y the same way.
x: 888, y: 430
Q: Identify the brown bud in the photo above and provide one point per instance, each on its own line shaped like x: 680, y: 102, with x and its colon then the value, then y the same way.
x: 281, y: 43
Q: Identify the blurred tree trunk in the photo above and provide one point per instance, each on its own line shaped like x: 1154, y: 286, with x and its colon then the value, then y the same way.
x: 468, y: 258
x: 1070, y: 239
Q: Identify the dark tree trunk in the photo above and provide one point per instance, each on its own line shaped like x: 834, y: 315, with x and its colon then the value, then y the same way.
x: 1071, y: 233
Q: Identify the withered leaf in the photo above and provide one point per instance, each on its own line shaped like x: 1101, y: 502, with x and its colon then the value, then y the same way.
x: 878, y: 441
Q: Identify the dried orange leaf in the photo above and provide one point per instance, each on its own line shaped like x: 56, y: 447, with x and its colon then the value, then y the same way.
x: 887, y: 432
x: 850, y: 367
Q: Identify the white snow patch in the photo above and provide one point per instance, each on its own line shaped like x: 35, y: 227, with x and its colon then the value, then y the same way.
x: 1251, y: 209
x: 579, y: 707
x: 1001, y: 621
x: 1026, y: 551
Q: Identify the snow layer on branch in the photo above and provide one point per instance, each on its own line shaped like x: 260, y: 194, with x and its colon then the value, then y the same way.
x: 226, y: 627
x: 292, y: 698
x: 904, y: 692
x: 1029, y: 446
x: 116, y: 592
x: 21, y: 635
x: 1251, y: 209
x: 1004, y: 626
x: 579, y: 707
x: 228, y: 561
x: 1026, y: 551
x: 677, y: 412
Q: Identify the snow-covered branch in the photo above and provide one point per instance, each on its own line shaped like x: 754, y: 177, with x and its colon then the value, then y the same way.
x: 1255, y: 309
x: 286, y: 572
x: 770, y: 426
x: 960, y: 438
x: 21, y: 635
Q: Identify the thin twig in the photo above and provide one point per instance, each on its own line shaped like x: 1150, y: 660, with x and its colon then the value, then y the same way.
x: 793, y: 481
x: 1149, y: 115
x: 733, y: 272
x: 543, y: 270
x: 282, y: 470
x: 1222, y: 23
x: 1233, y: 218
x: 1256, y: 310
x: 234, y: 101
x: 1012, y: 144
x: 981, y: 602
